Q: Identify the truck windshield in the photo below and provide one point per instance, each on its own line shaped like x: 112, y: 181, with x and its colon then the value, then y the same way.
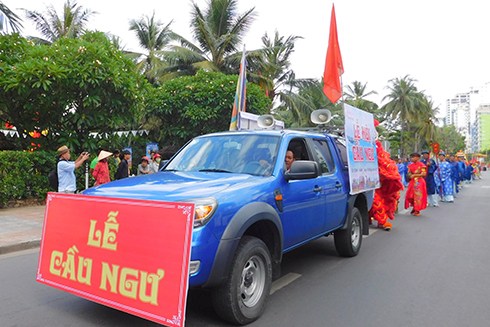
x: 245, y: 154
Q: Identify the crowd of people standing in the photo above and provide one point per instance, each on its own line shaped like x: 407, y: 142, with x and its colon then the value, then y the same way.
x: 99, y: 167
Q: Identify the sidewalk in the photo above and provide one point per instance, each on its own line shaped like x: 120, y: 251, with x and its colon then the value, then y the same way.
x: 20, y: 228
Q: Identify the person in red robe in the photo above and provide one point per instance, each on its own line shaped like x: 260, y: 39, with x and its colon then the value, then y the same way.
x: 416, y: 196
x: 386, y: 197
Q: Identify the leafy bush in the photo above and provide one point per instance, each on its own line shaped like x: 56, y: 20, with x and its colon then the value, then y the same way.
x: 189, y: 106
x: 25, y: 174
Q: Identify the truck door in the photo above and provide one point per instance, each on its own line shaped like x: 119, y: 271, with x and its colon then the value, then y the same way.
x: 302, y: 216
x: 333, y: 189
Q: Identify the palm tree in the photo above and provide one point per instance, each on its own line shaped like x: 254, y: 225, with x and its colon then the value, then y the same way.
x: 405, y: 102
x: 70, y: 25
x: 6, y: 15
x: 219, y: 31
x: 301, y: 98
x: 356, y: 96
x: 426, y: 126
x: 154, y: 37
x: 270, y: 66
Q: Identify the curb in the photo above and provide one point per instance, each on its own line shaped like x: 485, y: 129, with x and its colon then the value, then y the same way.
x: 20, y: 246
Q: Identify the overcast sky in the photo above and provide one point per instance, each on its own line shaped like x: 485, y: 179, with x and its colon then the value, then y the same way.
x: 444, y: 45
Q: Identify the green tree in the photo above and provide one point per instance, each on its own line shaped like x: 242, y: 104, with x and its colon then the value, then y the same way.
x: 8, y: 16
x: 356, y: 97
x: 270, y: 66
x: 450, y: 139
x: 219, y: 30
x: 70, y: 24
x: 426, y: 127
x: 71, y: 88
x: 404, y: 103
x: 153, y: 37
x: 189, y: 106
x: 301, y: 99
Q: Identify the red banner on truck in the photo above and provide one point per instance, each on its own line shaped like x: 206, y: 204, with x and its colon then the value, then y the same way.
x: 132, y: 255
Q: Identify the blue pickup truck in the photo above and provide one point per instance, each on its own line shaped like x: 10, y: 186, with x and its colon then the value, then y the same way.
x: 251, y: 209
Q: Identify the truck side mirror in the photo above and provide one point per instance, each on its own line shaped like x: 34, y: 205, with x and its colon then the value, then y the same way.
x: 302, y: 169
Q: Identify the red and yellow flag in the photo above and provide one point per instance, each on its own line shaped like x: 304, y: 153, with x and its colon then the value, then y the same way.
x: 333, y: 65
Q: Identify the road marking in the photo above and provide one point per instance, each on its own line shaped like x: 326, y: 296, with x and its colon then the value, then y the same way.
x: 485, y: 186
x: 372, y: 230
x: 283, y: 281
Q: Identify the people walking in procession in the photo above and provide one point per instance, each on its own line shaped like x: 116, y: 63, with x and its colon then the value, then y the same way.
x: 402, y: 170
x: 446, y: 179
x: 455, y: 174
x: 416, y: 195
x: 432, y: 196
x: 386, y: 197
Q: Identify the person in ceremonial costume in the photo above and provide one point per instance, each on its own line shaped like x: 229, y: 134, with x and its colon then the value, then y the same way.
x: 416, y: 195
x: 432, y: 196
x: 455, y: 174
x: 406, y: 163
x: 402, y: 170
x: 462, y: 169
x: 446, y: 180
x: 386, y: 197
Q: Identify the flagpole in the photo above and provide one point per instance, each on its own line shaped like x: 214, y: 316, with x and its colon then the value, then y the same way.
x: 239, y: 113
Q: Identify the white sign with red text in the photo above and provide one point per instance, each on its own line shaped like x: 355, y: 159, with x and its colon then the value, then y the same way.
x: 360, y: 136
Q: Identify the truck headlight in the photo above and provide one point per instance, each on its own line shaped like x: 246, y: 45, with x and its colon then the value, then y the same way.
x: 204, y: 208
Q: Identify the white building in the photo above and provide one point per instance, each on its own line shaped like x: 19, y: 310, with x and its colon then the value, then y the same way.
x: 462, y: 112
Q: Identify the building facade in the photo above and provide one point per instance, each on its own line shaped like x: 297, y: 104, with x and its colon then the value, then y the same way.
x: 468, y: 113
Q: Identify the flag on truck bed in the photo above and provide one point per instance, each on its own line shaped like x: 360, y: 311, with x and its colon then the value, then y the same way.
x: 333, y: 64
x: 241, y: 94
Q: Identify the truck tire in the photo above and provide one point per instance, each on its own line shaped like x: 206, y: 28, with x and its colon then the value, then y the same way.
x: 348, y: 241
x: 241, y: 298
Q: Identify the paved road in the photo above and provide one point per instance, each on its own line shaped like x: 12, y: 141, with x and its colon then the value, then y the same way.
x: 431, y: 270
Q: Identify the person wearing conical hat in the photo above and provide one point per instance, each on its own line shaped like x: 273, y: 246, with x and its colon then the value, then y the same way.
x: 101, y: 170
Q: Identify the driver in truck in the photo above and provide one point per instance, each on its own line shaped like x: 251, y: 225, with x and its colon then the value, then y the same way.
x: 289, y: 159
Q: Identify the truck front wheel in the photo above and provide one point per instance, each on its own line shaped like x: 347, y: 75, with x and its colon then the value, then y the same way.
x: 348, y: 241
x: 241, y: 299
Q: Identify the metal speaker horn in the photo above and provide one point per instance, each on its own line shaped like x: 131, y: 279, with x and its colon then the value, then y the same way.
x: 265, y: 121
x: 321, y: 116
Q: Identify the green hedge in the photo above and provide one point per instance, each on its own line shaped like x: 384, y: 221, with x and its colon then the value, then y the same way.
x: 25, y: 174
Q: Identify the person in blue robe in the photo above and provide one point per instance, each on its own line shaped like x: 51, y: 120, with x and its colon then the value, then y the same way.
x: 446, y: 180
x: 402, y: 170
x: 432, y: 197
x: 462, y: 169
x: 406, y: 162
x: 455, y: 174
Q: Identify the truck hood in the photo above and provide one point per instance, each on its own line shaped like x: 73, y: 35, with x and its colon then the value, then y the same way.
x: 175, y: 186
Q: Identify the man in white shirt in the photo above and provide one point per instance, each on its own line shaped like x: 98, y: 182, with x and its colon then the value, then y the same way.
x: 67, y: 182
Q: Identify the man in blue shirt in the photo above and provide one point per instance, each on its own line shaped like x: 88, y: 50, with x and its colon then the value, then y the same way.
x: 67, y: 182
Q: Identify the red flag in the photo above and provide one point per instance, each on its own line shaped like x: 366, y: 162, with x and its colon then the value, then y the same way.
x: 333, y: 65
